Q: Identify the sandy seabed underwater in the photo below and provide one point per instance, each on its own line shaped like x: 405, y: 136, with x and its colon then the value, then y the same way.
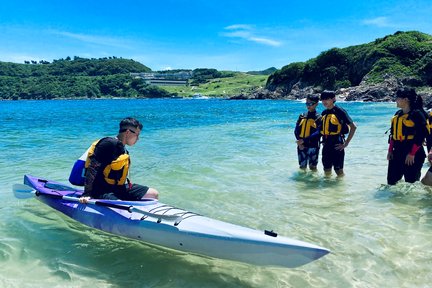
x: 234, y: 161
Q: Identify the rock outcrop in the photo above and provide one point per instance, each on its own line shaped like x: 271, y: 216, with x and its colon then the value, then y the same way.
x: 381, y: 92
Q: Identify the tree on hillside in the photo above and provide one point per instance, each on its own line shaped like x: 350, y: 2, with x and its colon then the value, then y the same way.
x: 288, y: 75
x: 203, y: 75
x: 426, y: 68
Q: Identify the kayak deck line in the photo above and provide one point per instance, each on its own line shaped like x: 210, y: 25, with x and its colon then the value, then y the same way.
x: 164, y: 209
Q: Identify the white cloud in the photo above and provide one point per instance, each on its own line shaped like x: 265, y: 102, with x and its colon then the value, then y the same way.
x: 93, y: 39
x: 378, y: 21
x: 239, y: 26
x: 247, y: 32
x: 265, y: 41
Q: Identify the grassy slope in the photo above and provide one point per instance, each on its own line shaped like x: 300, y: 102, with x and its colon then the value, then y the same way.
x: 221, y: 87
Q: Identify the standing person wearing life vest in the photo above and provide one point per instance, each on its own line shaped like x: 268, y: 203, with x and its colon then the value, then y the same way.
x: 407, y: 134
x: 335, y: 124
x: 428, y: 116
x: 307, y: 134
x: 107, y: 167
x: 427, y: 179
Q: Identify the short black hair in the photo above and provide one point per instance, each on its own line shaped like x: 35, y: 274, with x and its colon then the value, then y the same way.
x: 129, y: 122
x: 313, y: 98
x: 327, y: 94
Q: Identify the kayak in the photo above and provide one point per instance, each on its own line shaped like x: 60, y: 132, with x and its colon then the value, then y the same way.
x: 164, y: 225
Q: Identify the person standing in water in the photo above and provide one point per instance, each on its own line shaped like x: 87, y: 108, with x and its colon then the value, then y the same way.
x: 427, y: 179
x: 407, y: 134
x: 335, y: 124
x: 307, y: 134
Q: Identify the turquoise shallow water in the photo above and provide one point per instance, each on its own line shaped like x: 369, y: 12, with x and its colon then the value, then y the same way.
x: 231, y: 160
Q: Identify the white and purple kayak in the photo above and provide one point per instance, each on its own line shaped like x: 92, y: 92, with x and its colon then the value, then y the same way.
x: 164, y: 225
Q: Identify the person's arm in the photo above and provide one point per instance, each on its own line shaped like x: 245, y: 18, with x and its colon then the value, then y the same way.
x: 420, y: 130
x: 313, y: 135
x: 420, y: 125
x: 343, y: 115
x: 90, y: 176
x: 390, y: 150
x: 317, y: 133
x: 353, y: 128
x: 297, y: 128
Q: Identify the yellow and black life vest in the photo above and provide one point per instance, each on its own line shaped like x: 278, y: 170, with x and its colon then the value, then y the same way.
x: 332, y: 126
x: 307, y: 126
x: 429, y: 123
x: 402, y: 127
x: 117, y: 171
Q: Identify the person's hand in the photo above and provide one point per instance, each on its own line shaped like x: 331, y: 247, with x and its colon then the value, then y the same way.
x: 341, y: 146
x: 409, y: 160
x: 300, y: 142
x: 389, y: 156
x: 84, y: 200
x: 429, y: 157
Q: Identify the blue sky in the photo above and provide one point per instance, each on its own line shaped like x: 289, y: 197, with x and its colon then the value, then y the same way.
x: 226, y: 35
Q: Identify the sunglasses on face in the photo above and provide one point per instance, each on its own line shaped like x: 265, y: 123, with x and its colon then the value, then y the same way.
x: 310, y: 104
x: 127, y: 129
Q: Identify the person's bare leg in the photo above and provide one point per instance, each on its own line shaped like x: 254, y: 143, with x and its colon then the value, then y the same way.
x: 427, y: 179
x: 340, y: 173
x: 152, y: 194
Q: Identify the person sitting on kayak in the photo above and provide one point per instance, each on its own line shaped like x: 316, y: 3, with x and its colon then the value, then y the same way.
x: 107, y: 167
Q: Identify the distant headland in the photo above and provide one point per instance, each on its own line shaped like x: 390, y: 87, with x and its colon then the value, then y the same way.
x: 366, y: 72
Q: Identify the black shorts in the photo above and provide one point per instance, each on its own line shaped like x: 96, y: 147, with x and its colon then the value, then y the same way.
x: 135, y: 193
x: 398, y: 169
x: 332, y: 157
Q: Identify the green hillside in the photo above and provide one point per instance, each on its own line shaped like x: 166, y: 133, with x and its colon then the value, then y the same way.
x: 405, y: 55
x: 75, y: 78
x: 234, y: 84
x: 110, y: 77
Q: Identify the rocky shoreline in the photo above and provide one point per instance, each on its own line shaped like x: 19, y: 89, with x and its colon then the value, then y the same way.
x: 382, y: 92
